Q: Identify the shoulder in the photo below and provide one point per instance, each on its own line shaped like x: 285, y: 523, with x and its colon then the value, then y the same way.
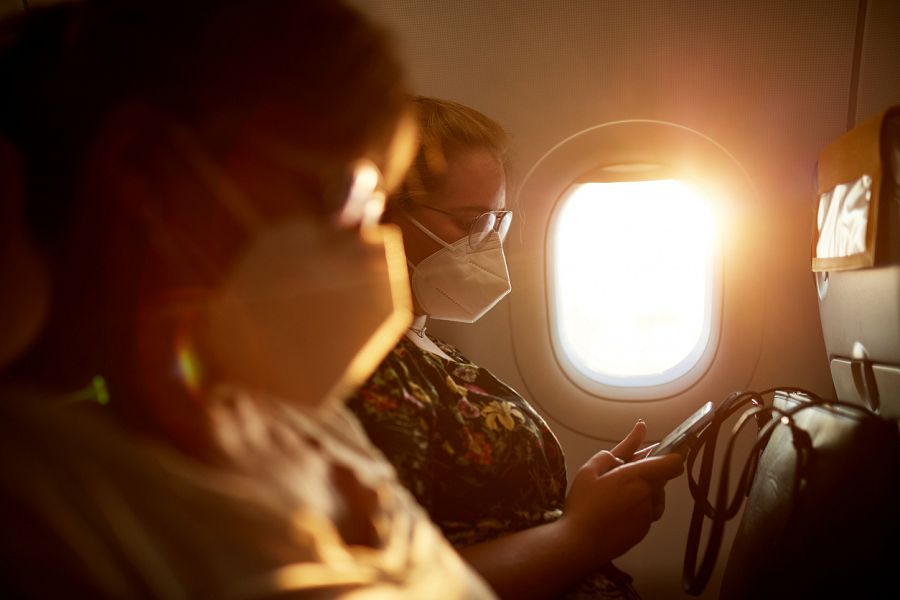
x: 450, y: 350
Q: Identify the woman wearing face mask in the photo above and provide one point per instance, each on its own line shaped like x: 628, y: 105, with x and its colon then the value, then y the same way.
x: 190, y: 205
x: 474, y: 452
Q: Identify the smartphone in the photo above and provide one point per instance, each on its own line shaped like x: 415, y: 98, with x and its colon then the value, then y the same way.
x: 683, y: 437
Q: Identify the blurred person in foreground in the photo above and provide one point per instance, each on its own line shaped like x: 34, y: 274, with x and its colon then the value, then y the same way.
x: 189, y: 206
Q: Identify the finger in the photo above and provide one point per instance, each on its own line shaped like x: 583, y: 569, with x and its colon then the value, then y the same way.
x: 603, y: 462
x: 627, y: 447
x: 657, y: 468
x: 658, y: 498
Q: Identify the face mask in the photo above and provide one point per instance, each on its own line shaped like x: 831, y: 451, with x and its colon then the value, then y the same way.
x: 306, y: 313
x: 307, y: 318
x: 457, y: 283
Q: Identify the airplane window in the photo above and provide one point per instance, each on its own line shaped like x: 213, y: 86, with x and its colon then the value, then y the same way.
x: 633, y: 277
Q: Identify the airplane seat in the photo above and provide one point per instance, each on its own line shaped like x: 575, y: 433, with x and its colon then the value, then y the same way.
x: 822, y: 517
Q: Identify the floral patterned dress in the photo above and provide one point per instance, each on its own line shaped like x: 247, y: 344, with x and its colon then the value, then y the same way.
x: 475, y: 454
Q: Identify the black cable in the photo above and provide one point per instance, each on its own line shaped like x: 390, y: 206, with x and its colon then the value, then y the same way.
x: 695, y: 579
x: 767, y: 418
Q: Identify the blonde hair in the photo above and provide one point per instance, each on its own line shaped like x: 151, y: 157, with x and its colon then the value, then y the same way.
x: 447, y: 129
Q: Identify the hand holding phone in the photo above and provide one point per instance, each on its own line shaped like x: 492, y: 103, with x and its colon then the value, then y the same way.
x: 683, y: 437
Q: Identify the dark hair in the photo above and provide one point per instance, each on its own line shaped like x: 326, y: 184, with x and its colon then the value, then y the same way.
x: 205, y: 64
x: 446, y: 129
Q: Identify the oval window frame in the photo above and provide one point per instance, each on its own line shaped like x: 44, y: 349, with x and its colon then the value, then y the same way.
x: 630, y: 146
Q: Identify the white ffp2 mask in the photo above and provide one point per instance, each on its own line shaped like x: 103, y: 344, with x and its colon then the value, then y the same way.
x: 458, y: 283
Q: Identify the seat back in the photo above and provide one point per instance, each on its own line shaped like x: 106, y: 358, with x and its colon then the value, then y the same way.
x: 821, y: 517
x: 856, y: 258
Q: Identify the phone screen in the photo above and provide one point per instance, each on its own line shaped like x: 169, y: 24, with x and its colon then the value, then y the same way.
x: 686, y: 432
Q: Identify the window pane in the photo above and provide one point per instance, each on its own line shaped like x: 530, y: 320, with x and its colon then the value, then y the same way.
x: 632, y: 279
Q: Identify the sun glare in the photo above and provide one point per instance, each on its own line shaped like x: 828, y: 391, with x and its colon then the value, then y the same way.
x: 632, y: 268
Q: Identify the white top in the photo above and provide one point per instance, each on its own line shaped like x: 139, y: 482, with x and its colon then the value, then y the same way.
x: 299, y: 502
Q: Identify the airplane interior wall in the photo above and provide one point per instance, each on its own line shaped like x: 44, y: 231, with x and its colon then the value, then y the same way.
x: 772, y: 82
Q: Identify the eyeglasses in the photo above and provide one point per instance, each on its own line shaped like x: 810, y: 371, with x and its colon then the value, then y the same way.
x: 481, y: 226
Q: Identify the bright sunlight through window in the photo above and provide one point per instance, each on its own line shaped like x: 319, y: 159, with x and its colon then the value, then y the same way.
x: 633, y: 276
